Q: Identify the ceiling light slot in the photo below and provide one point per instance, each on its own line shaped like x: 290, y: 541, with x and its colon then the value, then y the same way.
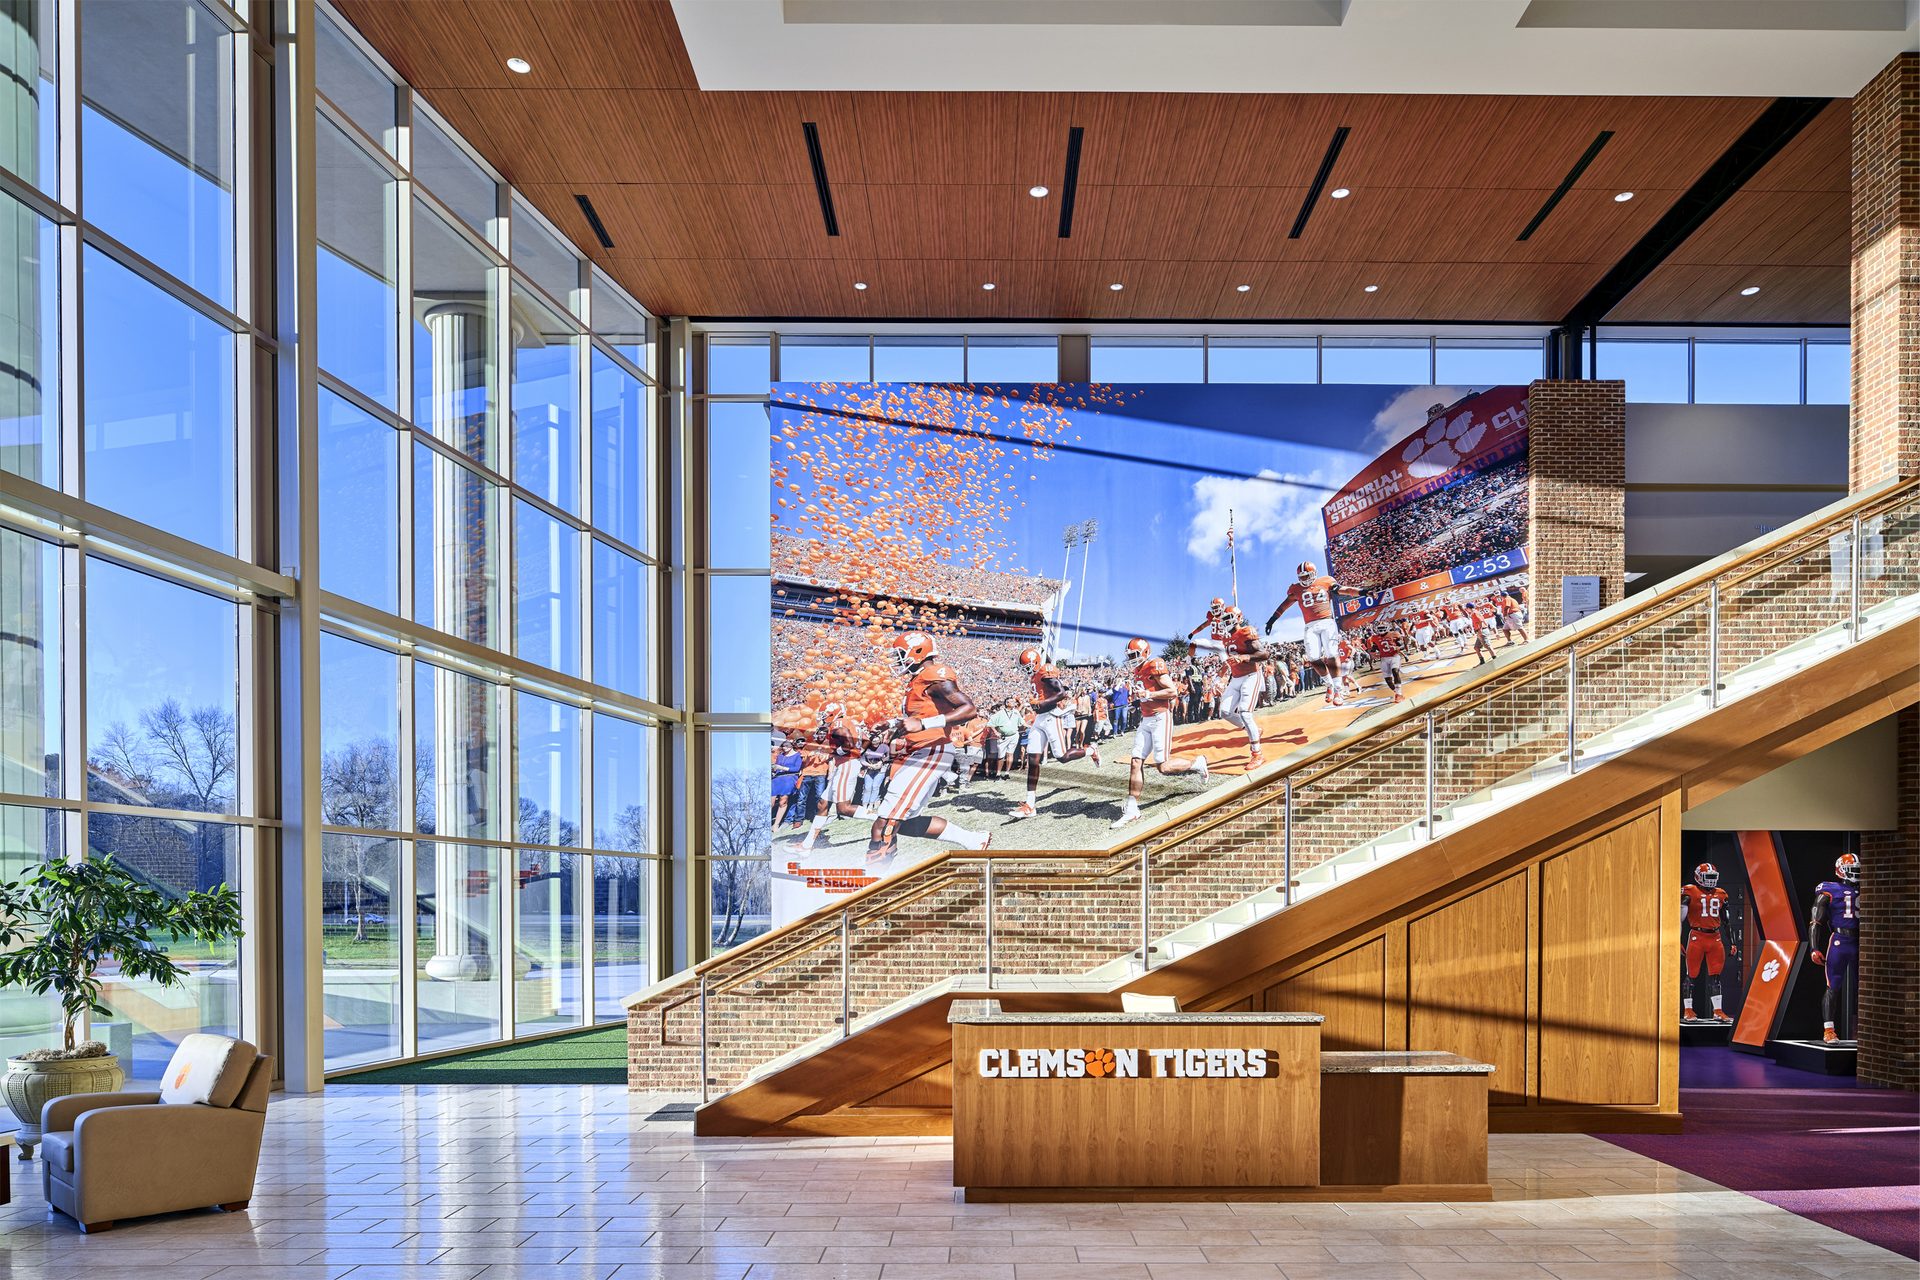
x: 593, y: 220
x: 1319, y: 181
x: 1566, y: 183
x: 1070, y: 185
x: 818, y: 160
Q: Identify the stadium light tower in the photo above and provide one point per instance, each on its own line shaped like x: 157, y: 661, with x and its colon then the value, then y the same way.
x: 1088, y: 530
x: 1069, y: 539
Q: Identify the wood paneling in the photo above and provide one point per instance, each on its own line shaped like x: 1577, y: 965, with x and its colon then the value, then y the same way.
x: 1602, y: 913
x: 1420, y: 1130
x: 1349, y: 991
x: 1161, y: 1132
x: 1467, y: 983
x: 708, y: 196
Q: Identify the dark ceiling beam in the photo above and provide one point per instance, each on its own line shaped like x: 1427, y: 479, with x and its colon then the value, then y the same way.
x: 1764, y: 139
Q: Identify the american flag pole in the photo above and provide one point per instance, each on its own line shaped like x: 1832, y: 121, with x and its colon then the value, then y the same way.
x: 1233, y: 563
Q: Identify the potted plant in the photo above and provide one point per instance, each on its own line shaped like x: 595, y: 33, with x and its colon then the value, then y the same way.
x: 62, y: 921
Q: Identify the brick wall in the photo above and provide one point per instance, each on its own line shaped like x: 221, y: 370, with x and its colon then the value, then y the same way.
x: 1886, y: 274
x: 1577, y: 451
x: 1889, y: 1008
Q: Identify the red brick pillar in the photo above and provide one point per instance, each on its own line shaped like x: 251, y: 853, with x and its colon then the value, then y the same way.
x: 1576, y: 491
x: 1889, y: 1008
x: 1886, y: 274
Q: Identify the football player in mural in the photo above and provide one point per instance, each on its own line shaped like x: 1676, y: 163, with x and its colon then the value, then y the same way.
x: 842, y: 799
x: 1703, y: 906
x: 1314, y: 592
x: 1047, y: 735
x: 934, y: 704
x: 1385, y: 647
x: 1212, y: 626
x: 1154, y: 688
x: 1834, y: 933
x: 1244, y: 684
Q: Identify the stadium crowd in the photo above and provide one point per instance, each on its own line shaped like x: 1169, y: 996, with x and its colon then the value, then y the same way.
x: 1458, y: 525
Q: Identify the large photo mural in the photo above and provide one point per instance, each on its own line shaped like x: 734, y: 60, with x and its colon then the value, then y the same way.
x: 1049, y: 616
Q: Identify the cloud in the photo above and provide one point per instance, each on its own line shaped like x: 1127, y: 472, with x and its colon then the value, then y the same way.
x: 1271, y: 508
x: 1407, y: 411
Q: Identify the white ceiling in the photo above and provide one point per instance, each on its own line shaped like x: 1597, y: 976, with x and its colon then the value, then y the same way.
x: 1761, y: 48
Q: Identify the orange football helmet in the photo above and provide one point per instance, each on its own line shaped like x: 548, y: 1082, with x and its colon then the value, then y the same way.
x: 1847, y: 867
x: 1138, y: 651
x: 1706, y: 875
x: 911, y: 649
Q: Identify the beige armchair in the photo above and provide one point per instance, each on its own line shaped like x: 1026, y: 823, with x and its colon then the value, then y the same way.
x: 193, y: 1145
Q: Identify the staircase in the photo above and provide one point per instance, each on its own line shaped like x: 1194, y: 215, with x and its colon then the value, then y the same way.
x: 836, y: 1023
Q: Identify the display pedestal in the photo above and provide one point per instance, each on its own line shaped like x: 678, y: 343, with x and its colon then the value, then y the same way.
x: 1710, y: 1031
x: 1838, y: 1059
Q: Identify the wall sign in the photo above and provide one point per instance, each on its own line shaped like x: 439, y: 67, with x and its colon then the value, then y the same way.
x: 1579, y: 596
x: 1126, y: 1064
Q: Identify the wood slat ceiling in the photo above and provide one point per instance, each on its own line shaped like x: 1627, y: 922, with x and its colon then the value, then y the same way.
x: 709, y: 199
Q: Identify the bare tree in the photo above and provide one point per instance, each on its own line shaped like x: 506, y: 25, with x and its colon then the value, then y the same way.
x: 357, y: 785
x: 122, y: 754
x: 198, y: 748
x: 741, y: 831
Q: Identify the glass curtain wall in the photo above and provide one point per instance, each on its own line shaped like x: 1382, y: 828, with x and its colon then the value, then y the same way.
x: 489, y: 570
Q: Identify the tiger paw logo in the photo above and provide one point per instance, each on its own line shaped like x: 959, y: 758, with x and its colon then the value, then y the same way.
x: 1442, y: 444
x: 1770, y: 971
x: 1099, y: 1063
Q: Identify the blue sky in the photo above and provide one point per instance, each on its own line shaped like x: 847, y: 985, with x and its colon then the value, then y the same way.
x: 1160, y: 474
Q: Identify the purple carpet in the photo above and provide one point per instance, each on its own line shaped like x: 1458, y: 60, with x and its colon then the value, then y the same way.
x: 1844, y: 1156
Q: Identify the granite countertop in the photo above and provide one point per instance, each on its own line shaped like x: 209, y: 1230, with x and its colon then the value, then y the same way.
x: 1417, y: 1062
x: 985, y: 1011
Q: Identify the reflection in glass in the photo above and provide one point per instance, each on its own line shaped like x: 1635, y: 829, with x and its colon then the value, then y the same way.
x: 350, y: 80
x: 621, y: 618
x: 360, y: 939
x: 622, y: 785
x: 1007, y: 360
x: 457, y: 917
x: 159, y: 400
x: 355, y: 282
x: 176, y: 858
x: 455, y: 305
x: 621, y: 323
x: 360, y: 766
x: 359, y: 484
x: 739, y: 509
x: 741, y: 660
x: 30, y: 684
x: 455, y: 517
x: 162, y: 690
x: 29, y: 338
x: 29, y: 63
x: 452, y: 175
x: 548, y: 756
x: 546, y: 555
x: 620, y: 962
x: 737, y: 366
x: 27, y: 1021
x: 621, y: 446
x: 546, y: 988
x: 543, y: 257
x: 456, y: 744
x: 546, y: 403
x: 157, y: 136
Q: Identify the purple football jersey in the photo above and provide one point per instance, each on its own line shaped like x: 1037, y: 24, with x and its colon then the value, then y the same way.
x: 1843, y: 911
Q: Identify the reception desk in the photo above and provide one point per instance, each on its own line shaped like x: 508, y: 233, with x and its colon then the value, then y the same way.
x: 1204, y: 1106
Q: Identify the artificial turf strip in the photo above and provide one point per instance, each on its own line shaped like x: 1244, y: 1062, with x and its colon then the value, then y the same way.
x: 591, y: 1057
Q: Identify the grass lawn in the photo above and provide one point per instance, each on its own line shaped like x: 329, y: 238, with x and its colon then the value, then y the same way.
x: 598, y: 1056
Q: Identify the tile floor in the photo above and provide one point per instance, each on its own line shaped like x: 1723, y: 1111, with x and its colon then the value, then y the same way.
x: 572, y: 1182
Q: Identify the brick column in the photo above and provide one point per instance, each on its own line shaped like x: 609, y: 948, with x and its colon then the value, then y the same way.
x: 1886, y: 274
x: 1576, y: 491
x: 1886, y: 444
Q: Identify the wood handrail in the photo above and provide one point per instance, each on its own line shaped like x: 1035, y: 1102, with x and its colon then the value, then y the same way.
x: 1735, y: 567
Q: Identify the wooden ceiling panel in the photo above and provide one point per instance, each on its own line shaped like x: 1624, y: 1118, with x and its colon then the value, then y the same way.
x: 710, y: 202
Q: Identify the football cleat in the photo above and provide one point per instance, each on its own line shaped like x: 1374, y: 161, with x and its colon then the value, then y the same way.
x: 1127, y: 819
x: 1026, y: 811
x: 1721, y: 1015
x: 1706, y: 875
x: 1847, y: 867
x: 1093, y: 754
x: 1830, y: 1036
x: 1686, y: 1013
x: 1200, y: 767
x: 910, y: 650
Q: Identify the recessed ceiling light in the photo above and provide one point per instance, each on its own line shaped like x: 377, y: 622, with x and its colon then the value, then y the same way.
x: 1750, y: 290
x: 1340, y: 193
x: 988, y: 286
x: 1373, y: 288
x: 860, y: 285
x: 1241, y: 288
x: 1037, y: 192
x: 519, y: 66
x: 1116, y: 286
x: 1623, y: 197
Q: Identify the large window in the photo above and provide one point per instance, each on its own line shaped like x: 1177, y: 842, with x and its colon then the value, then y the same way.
x: 1726, y: 366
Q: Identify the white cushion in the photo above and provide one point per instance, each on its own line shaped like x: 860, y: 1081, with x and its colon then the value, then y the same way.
x: 209, y: 1069
x: 1134, y: 1002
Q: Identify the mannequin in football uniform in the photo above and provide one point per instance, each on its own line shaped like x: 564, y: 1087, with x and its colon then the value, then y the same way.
x: 1047, y: 735
x: 1834, y: 932
x: 1155, y: 691
x: 934, y: 705
x: 842, y: 799
x: 1703, y: 907
x: 1315, y: 593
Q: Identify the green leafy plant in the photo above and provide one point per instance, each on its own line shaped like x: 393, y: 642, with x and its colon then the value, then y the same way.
x: 61, y: 921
